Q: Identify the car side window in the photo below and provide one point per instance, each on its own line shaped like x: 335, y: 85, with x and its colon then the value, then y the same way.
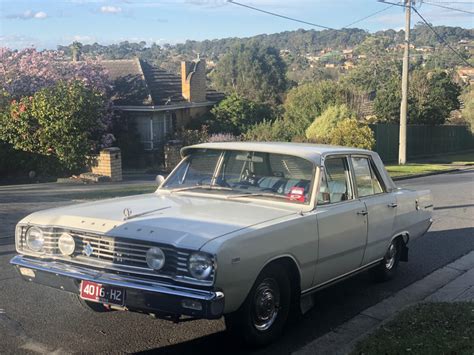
x: 335, y: 181
x: 367, y: 181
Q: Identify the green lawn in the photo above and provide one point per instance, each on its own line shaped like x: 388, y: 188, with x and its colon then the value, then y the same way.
x: 434, y: 164
x: 427, y: 328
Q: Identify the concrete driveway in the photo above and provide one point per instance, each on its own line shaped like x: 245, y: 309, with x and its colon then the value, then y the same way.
x: 38, y: 319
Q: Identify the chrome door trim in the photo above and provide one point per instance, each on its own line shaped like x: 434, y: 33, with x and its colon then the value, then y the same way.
x: 341, y: 277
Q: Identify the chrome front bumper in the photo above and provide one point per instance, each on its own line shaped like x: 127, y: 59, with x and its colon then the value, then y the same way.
x: 141, y: 294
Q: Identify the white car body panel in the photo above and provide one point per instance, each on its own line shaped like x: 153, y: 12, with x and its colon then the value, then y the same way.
x: 323, y: 242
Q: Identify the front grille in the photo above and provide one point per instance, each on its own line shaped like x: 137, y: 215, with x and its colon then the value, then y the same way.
x: 117, y: 254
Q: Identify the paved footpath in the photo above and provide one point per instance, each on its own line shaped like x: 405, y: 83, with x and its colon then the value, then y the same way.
x: 451, y: 283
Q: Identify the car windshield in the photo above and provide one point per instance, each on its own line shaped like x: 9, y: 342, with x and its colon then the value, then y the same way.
x: 242, y: 174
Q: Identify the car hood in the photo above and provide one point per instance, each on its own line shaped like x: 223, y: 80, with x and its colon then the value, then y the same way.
x: 177, y: 219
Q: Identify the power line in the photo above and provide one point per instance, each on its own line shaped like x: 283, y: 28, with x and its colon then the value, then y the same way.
x: 366, y: 17
x: 278, y: 15
x: 449, y: 8
x: 440, y: 38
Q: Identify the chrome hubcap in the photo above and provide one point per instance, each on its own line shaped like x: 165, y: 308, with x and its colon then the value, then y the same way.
x: 390, y: 257
x: 266, y: 304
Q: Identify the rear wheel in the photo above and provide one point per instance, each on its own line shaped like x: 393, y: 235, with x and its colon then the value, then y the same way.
x: 387, y: 268
x: 260, y: 320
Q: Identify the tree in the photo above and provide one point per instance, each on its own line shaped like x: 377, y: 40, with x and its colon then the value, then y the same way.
x: 387, y: 100
x: 432, y: 96
x: 351, y: 133
x: 253, y: 71
x: 268, y: 131
x: 24, y: 72
x: 235, y: 114
x: 467, y: 111
x: 376, y: 66
x: 59, y: 121
x: 306, y: 102
x: 320, y: 130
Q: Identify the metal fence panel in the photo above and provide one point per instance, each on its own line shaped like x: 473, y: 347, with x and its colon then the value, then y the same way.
x: 422, y: 141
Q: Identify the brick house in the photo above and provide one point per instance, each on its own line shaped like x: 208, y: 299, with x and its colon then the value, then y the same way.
x: 157, y: 101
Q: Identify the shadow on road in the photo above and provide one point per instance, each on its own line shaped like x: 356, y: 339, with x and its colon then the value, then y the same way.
x: 341, y: 302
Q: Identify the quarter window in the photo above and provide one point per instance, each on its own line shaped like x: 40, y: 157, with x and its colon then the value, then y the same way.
x: 335, y: 186
x: 367, y: 181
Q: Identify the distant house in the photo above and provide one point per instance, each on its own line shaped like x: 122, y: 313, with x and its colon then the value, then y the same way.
x: 466, y: 75
x: 348, y: 65
x: 158, y: 101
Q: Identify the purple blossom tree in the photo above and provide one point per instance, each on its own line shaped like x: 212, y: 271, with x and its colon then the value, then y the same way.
x: 24, y: 72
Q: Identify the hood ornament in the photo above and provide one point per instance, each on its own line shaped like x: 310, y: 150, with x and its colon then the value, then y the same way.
x: 127, y: 212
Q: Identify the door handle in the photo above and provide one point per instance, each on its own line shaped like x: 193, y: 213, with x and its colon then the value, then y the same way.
x: 362, y: 213
x: 393, y: 205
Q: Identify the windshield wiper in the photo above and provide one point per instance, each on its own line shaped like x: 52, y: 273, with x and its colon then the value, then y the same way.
x: 252, y: 194
x: 207, y: 187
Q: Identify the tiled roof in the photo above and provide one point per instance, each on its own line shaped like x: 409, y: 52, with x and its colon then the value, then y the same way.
x: 138, y: 83
x: 130, y: 87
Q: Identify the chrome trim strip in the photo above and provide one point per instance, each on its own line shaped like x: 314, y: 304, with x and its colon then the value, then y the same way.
x: 327, y: 283
x: 85, y: 274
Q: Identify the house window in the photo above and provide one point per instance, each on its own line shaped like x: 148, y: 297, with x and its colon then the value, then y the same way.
x: 154, y: 129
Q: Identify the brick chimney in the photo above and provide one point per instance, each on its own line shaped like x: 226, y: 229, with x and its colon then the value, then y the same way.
x: 193, y: 80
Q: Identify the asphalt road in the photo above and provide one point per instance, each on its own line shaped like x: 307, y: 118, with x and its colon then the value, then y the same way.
x: 34, y: 318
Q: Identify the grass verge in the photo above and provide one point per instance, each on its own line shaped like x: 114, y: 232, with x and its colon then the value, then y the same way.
x: 415, y: 169
x: 427, y: 328
x: 110, y: 193
x: 431, y: 165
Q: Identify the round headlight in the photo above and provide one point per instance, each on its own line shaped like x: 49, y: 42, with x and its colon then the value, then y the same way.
x: 66, y: 244
x: 34, y: 239
x: 155, y: 258
x: 200, y: 266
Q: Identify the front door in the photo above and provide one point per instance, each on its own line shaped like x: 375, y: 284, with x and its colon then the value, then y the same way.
x: 342, y: 223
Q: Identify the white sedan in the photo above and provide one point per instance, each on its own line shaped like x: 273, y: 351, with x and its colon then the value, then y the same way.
x: 248, y: 231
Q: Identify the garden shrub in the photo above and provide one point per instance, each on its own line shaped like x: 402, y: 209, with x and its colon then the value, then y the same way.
x: 320, y: 130
x: 351, y: 133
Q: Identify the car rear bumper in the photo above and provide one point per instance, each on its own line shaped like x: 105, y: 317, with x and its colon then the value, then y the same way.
x: 142, y: 295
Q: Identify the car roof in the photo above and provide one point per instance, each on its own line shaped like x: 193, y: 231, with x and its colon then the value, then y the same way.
x: 312, y: 152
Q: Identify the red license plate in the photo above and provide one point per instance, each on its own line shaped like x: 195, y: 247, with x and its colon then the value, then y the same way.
x: 95, y: 292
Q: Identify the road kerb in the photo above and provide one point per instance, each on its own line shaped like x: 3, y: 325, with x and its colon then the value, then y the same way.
x: 407, y: 177
x: 342, y: 339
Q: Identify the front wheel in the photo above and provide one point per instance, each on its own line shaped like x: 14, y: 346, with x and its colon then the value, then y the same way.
x: 260, y: 320
x: 387, y: 268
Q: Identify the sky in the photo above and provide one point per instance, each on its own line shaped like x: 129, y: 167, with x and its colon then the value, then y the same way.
x: 47, y: 23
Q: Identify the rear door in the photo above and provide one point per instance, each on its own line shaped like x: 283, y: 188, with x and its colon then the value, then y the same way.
x: 380, y: 204
x: 342, y: 222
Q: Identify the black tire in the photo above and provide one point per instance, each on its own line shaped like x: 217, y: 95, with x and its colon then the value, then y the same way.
x: 262, y: 317
x: 90, y: 306
x: 387, y: 268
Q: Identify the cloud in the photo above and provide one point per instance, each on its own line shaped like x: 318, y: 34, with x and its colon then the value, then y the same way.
x: 108, y: 9
x: 40, y: 15
x: 28, y: 15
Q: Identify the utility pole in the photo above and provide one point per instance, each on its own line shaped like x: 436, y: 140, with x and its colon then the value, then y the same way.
x: 402, y: 145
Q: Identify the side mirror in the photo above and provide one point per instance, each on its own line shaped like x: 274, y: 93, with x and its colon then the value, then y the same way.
x: 160, y: 179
